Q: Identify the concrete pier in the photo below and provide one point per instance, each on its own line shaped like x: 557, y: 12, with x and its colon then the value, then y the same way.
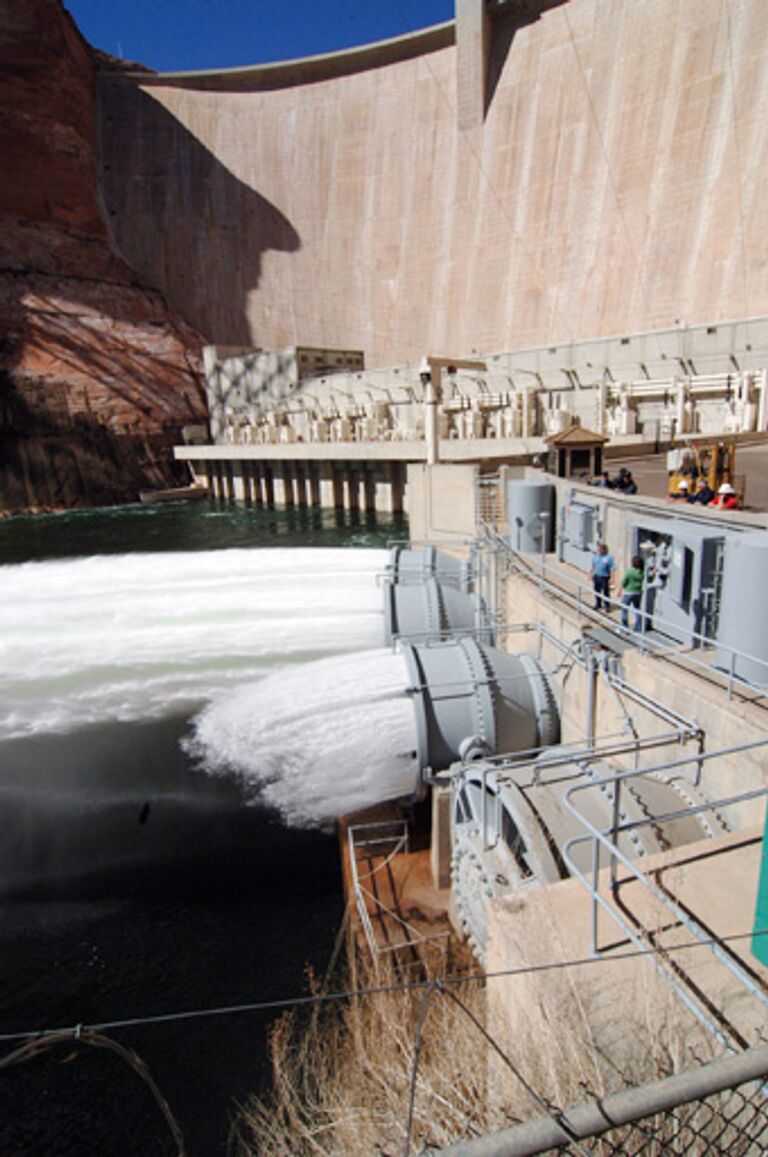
x: 230, y: 474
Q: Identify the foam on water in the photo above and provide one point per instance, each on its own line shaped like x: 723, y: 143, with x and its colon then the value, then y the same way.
x: 139, y: 636
x: 317, y: 740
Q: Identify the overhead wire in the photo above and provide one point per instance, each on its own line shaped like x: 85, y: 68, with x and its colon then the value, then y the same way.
x: 285, y: 1003
x: 33, y: 1048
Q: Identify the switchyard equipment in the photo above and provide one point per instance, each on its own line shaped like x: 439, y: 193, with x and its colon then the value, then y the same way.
x: 511, y: 825
x: 743, y: 620
x: 578, y: 531
x: 682, y: 588
x: 531, y: 516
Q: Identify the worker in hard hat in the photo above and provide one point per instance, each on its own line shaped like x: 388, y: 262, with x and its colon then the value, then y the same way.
x: 727, y: 498
x: 683, y: 489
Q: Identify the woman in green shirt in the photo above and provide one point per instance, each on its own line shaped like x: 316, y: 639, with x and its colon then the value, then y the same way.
x: 632, y: 586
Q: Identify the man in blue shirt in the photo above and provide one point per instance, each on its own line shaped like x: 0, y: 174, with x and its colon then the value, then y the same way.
x: 601, y: 570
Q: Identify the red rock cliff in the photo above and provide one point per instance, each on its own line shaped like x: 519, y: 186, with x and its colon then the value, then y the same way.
x: 97, y: 373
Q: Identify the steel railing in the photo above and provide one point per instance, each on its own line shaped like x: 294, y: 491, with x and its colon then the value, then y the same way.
x: 579, y: 595
x: 607, y: 841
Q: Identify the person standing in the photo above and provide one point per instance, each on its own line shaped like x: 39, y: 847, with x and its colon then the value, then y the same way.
x: 632, y: 586
x: 603, y: 566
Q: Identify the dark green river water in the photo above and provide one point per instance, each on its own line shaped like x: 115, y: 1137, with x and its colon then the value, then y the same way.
x: 131, y: 884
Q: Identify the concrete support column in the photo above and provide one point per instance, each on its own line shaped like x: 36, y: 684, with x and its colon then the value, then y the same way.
x: 229, y: 475
x: 314, y: 486
x: 431, y: 434
x: 473, y: 43
x: 338, y: 486
x: 247, y: 483
x: 269, y: 486
x: 383, y: 495
x: 369, y: 485
x: 440, y: 846
x: 762, y: 400
x: 602, y: 403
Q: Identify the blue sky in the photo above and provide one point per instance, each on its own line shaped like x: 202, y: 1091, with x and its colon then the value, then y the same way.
x: 180, y: 34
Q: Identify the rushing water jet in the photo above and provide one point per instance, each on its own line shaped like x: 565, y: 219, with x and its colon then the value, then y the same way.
x: 129, y: 637
x: 318, y: 740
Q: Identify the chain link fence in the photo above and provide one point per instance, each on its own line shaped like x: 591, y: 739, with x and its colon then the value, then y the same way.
x: 733, y: 1122
x: 718, y: 1107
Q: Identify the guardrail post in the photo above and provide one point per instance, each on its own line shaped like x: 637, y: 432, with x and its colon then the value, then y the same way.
x: 595, y: 886
x: 615, y: 817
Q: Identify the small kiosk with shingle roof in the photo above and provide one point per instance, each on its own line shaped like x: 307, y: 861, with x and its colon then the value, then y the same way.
x: 575, y: 452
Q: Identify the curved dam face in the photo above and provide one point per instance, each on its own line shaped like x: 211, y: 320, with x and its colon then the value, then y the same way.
x: 613, y: 184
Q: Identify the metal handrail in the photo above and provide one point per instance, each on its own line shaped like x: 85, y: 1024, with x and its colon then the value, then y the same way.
x: 644, y: 642
x: 399, y: 841
x: 609, y: 840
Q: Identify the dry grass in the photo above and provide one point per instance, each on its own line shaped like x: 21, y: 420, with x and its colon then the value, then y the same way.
x: 342, y: 1073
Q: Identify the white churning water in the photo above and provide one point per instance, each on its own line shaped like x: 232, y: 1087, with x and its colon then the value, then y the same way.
x: 317, y: 740
x: 139, y: 636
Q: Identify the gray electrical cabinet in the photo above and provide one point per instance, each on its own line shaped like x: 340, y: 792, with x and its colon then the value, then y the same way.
x: 683, y: 576
x: 743, y: 627
x: 578, y: 531
x: 530, y: 510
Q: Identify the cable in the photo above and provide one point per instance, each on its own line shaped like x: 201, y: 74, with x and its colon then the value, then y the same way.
x: 552, y: 1111
x: 374, y: 990
x: 431, y: 987
x: 88, y: 1037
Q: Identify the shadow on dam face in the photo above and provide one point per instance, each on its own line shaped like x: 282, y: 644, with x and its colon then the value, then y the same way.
x: 180, y: 217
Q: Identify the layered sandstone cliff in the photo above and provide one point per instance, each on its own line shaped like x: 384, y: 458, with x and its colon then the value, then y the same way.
x: 97, y: 373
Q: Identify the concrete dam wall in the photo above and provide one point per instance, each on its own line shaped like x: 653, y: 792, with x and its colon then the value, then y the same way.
x: 614, y: 181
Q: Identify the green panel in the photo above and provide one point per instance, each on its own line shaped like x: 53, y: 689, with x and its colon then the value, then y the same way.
x: 760, y: 943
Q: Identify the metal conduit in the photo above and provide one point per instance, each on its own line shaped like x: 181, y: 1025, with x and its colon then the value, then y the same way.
x: 689, y: 726
x: 617, y: 1109
x: 703, y: 757
x: 571, y: 752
